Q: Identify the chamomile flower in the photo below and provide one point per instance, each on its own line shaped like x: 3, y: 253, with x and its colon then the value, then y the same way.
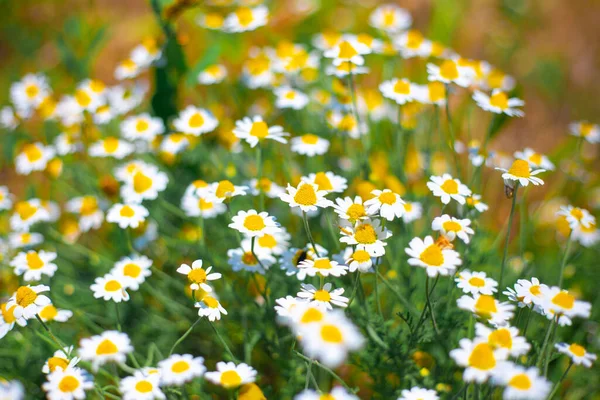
x: 527, y: 292
x: 284, y: 308
x: 412, y: 43
x: 447, y: 188
x: 195, y: 121
x: 127, y: 215
x: 246, y: 19
x: 449, y: 72
x: 205, y: 207
x: 225, y: 190
x: 127, y: 69
x: 452, y: 227
x: 141, y: 386
x: 252, y: 223
x: 327, y: 181
x: 132, y: 271
x: 19, y: 240
x: 417, y: 393
x: 33, y: 264
x: 351, y: 209
x: 476, y: 283
x: 60, y: 360
x: 6, y: 198
x: 401, y: 91
x: 345, y: 68
x: 356, y: 259
x: 144, y: 184
x: 368, y: 233
x: 210, y: 307
x: 521, y: 172
x: 412, y: 211
x: 474, y: 201
x: 8, y: 319
x: 110, y: 287
x: 324, y: 297
x: 431, y: 256
x: 506, y: 337
x: 28, y: 93
x: 348, y: 50
x: 111, y: 147
x: 432, y: 93
x: 27, y: 213
x: 142, y: 127
x: 499, y: 103
x: 536, y: 160
x: 180, y: 368
x: 337, y: 393
x: 332, y: 339
x: 587, y: 236
x: 487, y: 308
x: 390, y: 18
x: 198, y: 276
x: 292, y: 258
x: 322, y: 266
x: 270, y: 244
x: 577, y: 353
x: 33, y: 157
x: 230, y: 376
x: 51, y: 313
x: 479, y: 359
x: 388, y: 204
x: 347, y: 124
x: 212, y: 74
x: 242, y: 259
x: 90, y: 214
x: 309, y: 145
x: 67, y: 384
x: 27, y: 301
x: 254, y: 130
x: 146, y: 52
x: 109, y: 346
x: 577, y: 217
x: 11, y: 390
x: 562, y: 304
x: 265, y: 185
x: 306, y: 196
x: 585, y: 130
x: 290, y: 98
x: 521, y: 383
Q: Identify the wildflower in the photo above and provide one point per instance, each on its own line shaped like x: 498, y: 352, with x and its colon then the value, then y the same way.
x: 332, y: 339
x: 141, y: 386
x: 127, y: 69
x: 145, y: 184
x: 111, y: 147
x: 429, y: 255
x: 270, y: 244
x: 51, y: 313
x: 412, y: 211
x: 27, y: 301
x: 577, y: 217
x: 527, y: 292
x: 536, y: 160
x: 499, y: 103
x: 401, y: 91
x: 284, y: 307
x: 368, y: 233
x: 348, y: 50
x: 372, y: 105
x: 225, y: 190
x: 476, y: 283
x: 506, y: 337
x: 205, y: 207
x: 345, y: 68
x: 479, y: 359
x: 142, y: 127
x: 474, y: 200
x: 446, y: 188
x: 60, y: 360
x: 323, y: 267
x: 26, y: 213
x: 198, y: 276
x: 323, y: 297
x: 252, y: 223
x: 195, y: 121
x: 328, y: 181
x: 127, y: 215
x: 412, y: 44
x: 212, y: 74
x: 18, y: 240
x: 351, y: 209
x: 417, y: 393
x: 8, y: 118
x: 587, y: 236
x: 290, y: 98
x: 132, y: 271
x: 432, y: 93
x: 452, y: 227
x: 390, y: 18
x: 246, y: 19
x: 585, y: 130
x: 521, y: 382
x: 253, y: 130
x: 230, y: 376
x: 28, y: 93
x: 110, y: 287
x: 309, y: 145
x: 388, y: 204
x: 521, y: 172
x: 488, y: 308
x: 242, y: 259
x: 210, y: 307
x: 337, y: 393
x: 33, y: 264
x: 12, y: 390
x: 8, y: 319
x: 178, y: 369
x: 577, y: 353
x: 67, y: 384
x: 449, y: 72
x: 348, y: 124
x: 307, y: 196
x: 109, y: 346
x: 90, y: 214
x: 291, y: 259
x: 559, y: 303
x: 358, y: 259
x: 270, y: 188
x: 33, y: 157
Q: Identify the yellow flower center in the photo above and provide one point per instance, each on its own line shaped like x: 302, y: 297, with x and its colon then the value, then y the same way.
x: 264, y: 184
x: 347, y: 51
x: 210, y: 301
x: 482, y: 357
x: 500, y: 100
x: 244, y: 15
x: 127, y: 211
x: 180, y: 366
x: 68, y: 384
x: 267, y: 241
x: 141, y: 125
x: 408, y: 207
x: 89, y: 205
x: 49, y: 312
x: 143, y: 387
x: 373, y: 99
x: 389, y: 17
x: 26, y: 238
x: 213, y: 70
x: 520, y: 169
x: 326, y: 396
x: 414, y: 39
x: 82, y: 98
x: 577, y: 350
x: 501, y: 338
x: 564, y: 300
x: 432, y: 255
x: 54, y: 362
x: 204, y: 205
x: 586, y: 129
x: 520, y: 382
x: 259, y: 129
x: 310, y: 139
x: 249, y: 259
x: 355, y: 212
x: 106, y: 347
x: 291, y: 95
x: 387, y: 198
x: 587, y: 229
x: 311, y: 315
x: 322, y: 295
x: 322, y: 263
x: 197, y: 275
x: 196, y: 120
x: 577, y: 213
x: 322, y: 181
x: 110, y: 144
x: 361, y: 256
x: 449, y: 70
x: 535, y: 290
x: 112, y: 286
x: 402, y: 87
x: 32, y: 90
x: 452, y: 226
x: 213, y: 20
x: 347, y: 123
x: 477, y: 282
x: 230, y: 379
x: 485, y: 306
x: 34, y: 261
x: 25, y: 296
x: 141, y: 182
x: 535, y: 158
x: 254, y: 223
x: 25, y: 210
x: 365, y: 234
x: 331, y: 334
x: 450, y: 186
x: 306, y: 195
x: 225, y: 189
x: 8, y: 313
x: 32, y: 152
x: 132, y: 270
x: 495, y: 79
x: 128, y: 64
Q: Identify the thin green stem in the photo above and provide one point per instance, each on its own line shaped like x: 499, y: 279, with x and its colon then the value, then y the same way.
x: 310, y: 238
x: 118, y: 316
x: 54, y: 338
x: 545, y: 344
x: 428, y: 294
x: 326, y: 369
x: 225, y: 346
x: 510, y: 219
x: 451, y: 133
x: 562, y: 378
x: 259, y: 168
x: 400, y: 297
x: 186, y: 334
x: 377, y: 273
x: 564, y: 260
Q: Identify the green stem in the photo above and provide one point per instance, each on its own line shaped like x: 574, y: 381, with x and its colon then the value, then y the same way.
x: 451, y: 133
x: 564, y: 260
x: 118, y: 317
x: 510, y: 219
x: 557, y: 386
x: 545, y: 344
x: 377, y: 287
x: 428, y: 294
x: 400, y: 297
x: 527, y: 321
x: 307, y: 229
x: 261, y: 192
x: 326, y: 369
x: 60, y: 345
x: 182, y: 338
x: 225, y: 346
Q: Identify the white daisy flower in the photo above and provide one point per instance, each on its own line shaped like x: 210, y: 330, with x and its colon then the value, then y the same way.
x: 127, y: 69
x: 111, y: 147
x: 357, y: 259
x: 252, y: 223
x: 146, y: 53
x: 536, y: 160
x: 577, y: 353
x: 246, y: 19
x: 51, y: 313
x: 254, y: 130
x: 33, y: 157
x: 145, y: 184
x: 347, y: 124
x: 132, y: 271
x: 26, y: 213
x: 230, y: 376
x: 33, y: 264
x: 12, y: 390
x: 242, y: 259
x: 587, y: 236
x: 351, y: 209
x: 225, y: 190
x: 205, y: 207
x: 178, y: 369
x: 291, y: 259
x: 390, y: 18
x: 270, y: 244
x: 475, y: 283
x: 412, y: 43
x: 559, y: 302
x: 412, y: 211
x: 309, y: 145
x: 142, y: 127
x: 127, y: 215
x: 306, y: 196
x: 506, y: 337
x: 521, y: 383
x: 8, y: 319
x: 212, y: 74
x: 323, y: 297
x: 141, y: 386
x: 322, y: 266
x: 429, y: 255
x: 28, y: 93
x: 487, y: 308
x: 67, y: 384
x: 368, y: 233
x: 345, y: 68
x: 527, y: 292
x: 452, y: 227
x: 590, y: 132
x: 479, y: 359
x: 446, y: 188
x: 327, y: 181
x: 8, y: 118
x: 90, y: 214
x: 110, y: 287
x: 499, y: 103
x: 388, y: 204
x: 417, y: 393
x: 520, y: 171
x: 210, y: 307
x: 450, y: 72
x: 109, y: 346
x: 474, y: 200
x: 284, y: 307
x: 265, y: 185
x: 195, y: 121
x: 198, y: 276
x: 577, y: 217
x: 401, y: 91
x: 6, y: 198
x: 28, y: 301
x: 174, y: 143
x: 60, y: 360
x: 288, y: 97
x: 18, y: 240
x: 348, y: 50
x: 337, y: 393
